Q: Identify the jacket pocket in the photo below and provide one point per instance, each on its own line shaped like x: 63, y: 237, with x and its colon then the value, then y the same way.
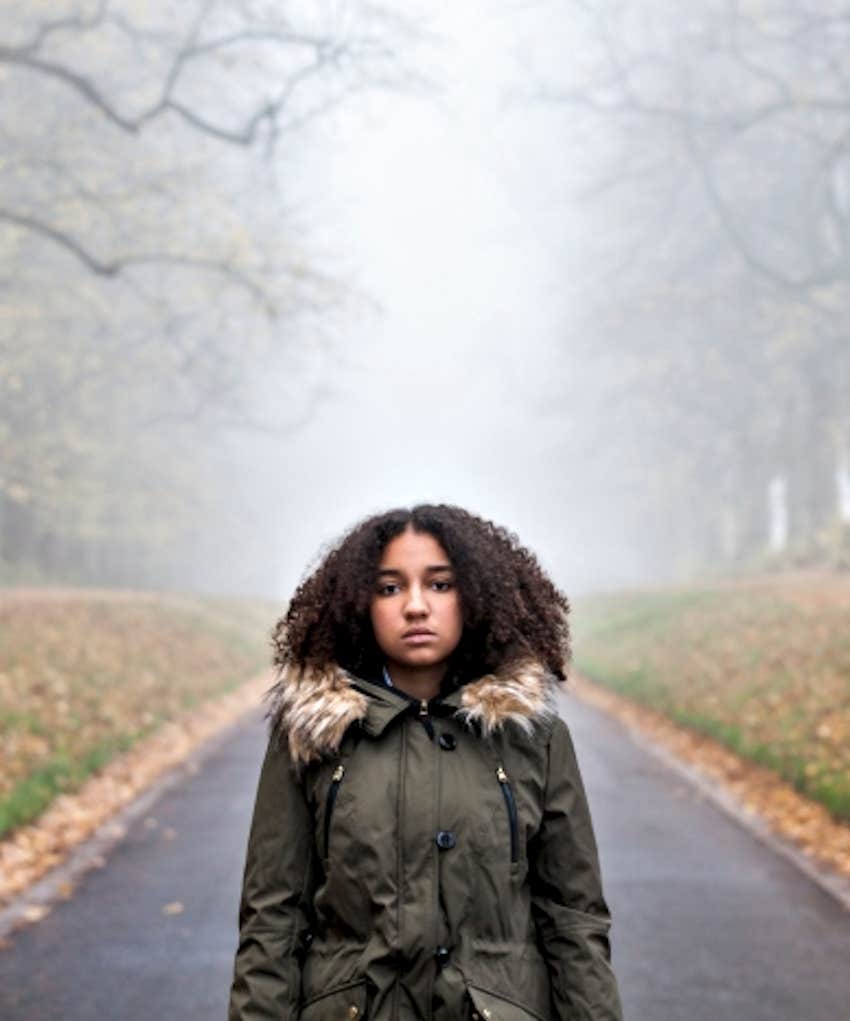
x: 490, y: 1006
x: 345, y: 1003
x: 510, y: 805
x: 330, y: 800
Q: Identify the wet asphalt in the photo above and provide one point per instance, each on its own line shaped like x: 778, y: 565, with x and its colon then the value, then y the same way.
x: 708, y: 922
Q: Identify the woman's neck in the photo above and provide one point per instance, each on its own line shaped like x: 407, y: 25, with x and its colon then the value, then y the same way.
x: 418, y: 682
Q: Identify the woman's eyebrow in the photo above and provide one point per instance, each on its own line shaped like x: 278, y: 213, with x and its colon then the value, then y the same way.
x: 433, y: 568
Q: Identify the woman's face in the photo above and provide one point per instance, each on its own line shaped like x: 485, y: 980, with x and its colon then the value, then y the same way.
x: 415, y: 609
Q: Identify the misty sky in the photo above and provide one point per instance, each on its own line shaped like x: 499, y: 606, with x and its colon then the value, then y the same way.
x: 451, y: 211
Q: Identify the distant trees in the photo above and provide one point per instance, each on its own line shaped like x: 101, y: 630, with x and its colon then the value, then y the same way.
x: 149, y: 265
x: 723, y: 343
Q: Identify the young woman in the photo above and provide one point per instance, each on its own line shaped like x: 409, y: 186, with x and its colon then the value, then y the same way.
x: 421, y: 845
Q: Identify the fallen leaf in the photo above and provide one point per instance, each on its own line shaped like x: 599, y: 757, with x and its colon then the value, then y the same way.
x: 35, y: 912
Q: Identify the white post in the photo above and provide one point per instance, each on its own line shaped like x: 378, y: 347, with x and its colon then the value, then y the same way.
x: 842, y: 483
x: 777, y: 509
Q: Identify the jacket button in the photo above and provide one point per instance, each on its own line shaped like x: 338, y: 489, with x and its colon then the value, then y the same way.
x: 442, y: 954
x: 448, y: 742
x: 445, y: 840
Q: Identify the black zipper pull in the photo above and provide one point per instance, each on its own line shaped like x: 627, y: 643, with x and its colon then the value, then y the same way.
x: 336, y: 780
x: 510, y: 804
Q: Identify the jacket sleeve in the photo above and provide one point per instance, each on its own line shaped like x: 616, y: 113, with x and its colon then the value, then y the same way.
x: 570, y: 910
x: 275, y: 891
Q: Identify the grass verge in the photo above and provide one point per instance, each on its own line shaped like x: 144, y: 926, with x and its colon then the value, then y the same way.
x: 761, y: 667
x: 85, y: 675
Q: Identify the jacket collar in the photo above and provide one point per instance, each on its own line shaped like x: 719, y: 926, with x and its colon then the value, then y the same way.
x: 314, y: 707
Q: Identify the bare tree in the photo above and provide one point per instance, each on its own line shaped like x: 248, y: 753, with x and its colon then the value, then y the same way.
x: 151, y: 267
x: 731, y: 124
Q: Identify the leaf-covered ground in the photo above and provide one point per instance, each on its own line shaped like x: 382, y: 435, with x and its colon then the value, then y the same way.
x: 762, y: 667
x: 757, y: 791
x: 86, y: 674
x: 32, y: 850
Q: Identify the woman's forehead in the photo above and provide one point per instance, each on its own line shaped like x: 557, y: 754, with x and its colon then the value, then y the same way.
x: 414, y: 550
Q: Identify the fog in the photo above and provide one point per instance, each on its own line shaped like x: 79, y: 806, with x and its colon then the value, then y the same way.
x: 447, y: 209
x: 439, y: 221
x: 579, y: 268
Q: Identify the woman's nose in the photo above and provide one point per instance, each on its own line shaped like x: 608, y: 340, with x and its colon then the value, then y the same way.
x: 416, y: 603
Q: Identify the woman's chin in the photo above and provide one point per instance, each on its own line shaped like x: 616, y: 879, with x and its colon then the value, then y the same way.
x: 421, y: 657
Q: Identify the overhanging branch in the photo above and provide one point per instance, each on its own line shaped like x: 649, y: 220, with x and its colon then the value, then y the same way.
x: 114, y: 267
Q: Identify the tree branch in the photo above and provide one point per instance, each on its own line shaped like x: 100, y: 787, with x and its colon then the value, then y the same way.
x: 113, y: 267
x: 78, y: 23
x: 326, y: 53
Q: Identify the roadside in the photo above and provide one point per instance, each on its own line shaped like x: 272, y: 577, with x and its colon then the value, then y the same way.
x: 799, y: 829
x: 744, y: 682
x: 87, y: 817
x: 102, y: 693
x: 84, y: 676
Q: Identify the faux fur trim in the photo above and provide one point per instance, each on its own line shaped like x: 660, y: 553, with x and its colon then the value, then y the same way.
x: 314, y: 708
x: 521, y: 694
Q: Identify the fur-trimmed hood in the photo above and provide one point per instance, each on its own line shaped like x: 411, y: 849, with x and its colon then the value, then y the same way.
x: 315, y: 707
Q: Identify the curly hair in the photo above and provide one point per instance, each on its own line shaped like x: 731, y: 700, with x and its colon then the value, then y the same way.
x: 511, y: 609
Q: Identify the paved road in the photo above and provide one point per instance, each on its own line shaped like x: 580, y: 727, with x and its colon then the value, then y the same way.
x: 708, y: 923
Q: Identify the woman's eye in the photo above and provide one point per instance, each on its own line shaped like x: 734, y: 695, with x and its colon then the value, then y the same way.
x: 442, y: 586
x: 388, y: 589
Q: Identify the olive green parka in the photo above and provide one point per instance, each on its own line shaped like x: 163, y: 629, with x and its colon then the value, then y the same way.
x: 421, y: 861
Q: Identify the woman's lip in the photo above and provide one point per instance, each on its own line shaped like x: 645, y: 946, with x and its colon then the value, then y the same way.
x: 418, y: 636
